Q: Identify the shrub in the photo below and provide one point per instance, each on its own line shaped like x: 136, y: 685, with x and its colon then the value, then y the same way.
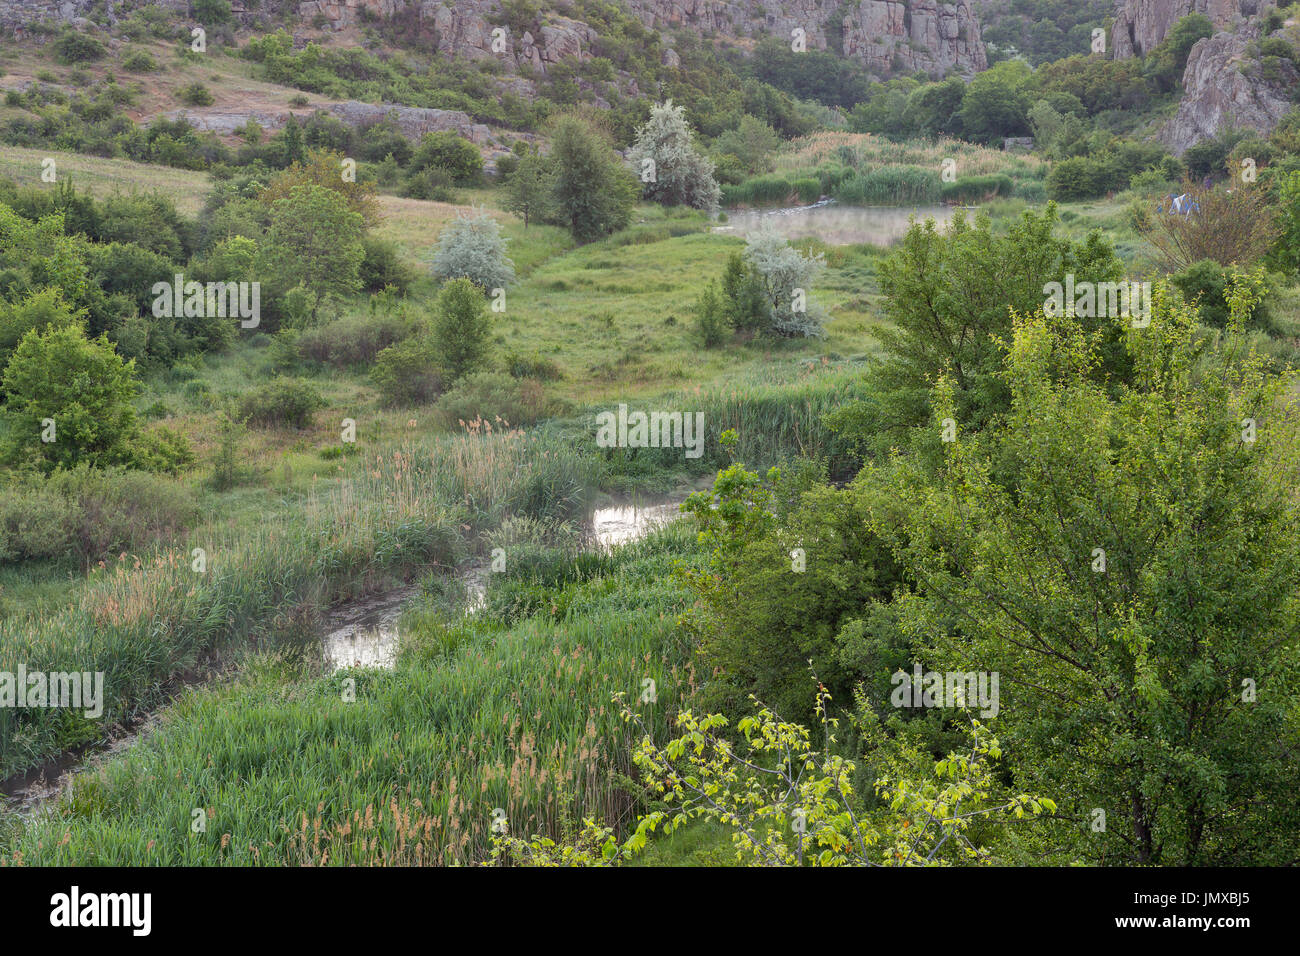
x: 227, y: 461
x: 212, y: 12
x: 117, y: 510
x: 408, y: 374
x: 461, y: 327
x: 490, y: 396
x: 83, y: 387
x: 1084, y: 177
x: 284, y: 401
x: 139, y: 61
x: 450, y: 152
x: 195, y: 94
x: 163, y: 449
x: 711, y: 318
x: 787, y: 279
x: 471, y: 247
x: 352, y: 340
x: 431, y: 185
x: 382, y: 266
x: 91, y: 514
x: 1207, y: 283
x: 1231, y: 226
x: 74, y: 47
x: 743, y: 303
x: 533, y: 366
x: 35, y: 524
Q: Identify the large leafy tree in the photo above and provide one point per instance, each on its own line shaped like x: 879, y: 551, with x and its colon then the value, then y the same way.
x: 322, y: 167
x: 593, y: 192
x: 672, y: 170
x: 315, y: 240
x: 68, y: 400
x: 1129, y: 564
x: 949, y: 295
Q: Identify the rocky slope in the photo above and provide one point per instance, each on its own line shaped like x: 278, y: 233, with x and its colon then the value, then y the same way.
x: 1224, y: 89
x: 886, y: 36
x: 1140, y: 25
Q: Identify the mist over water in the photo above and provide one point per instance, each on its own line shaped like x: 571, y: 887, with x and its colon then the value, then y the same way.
x: 833, y: 223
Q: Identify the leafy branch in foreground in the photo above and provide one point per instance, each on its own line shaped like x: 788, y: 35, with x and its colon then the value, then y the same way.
x: 790, y: 805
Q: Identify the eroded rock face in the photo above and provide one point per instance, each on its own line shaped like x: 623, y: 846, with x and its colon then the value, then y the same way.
x: 413, y: 121
x: 886, y: 36
x: 938, y: 38
x: 15, y: 15
x: 1140, y: 25
x: 1218, y: 95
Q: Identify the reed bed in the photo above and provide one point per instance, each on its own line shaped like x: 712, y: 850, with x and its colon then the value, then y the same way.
x: 860, y: 150
x: 147, y: 620
x: 519, y: 724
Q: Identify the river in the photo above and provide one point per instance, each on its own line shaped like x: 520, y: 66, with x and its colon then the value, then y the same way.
x: 833, y: 223
x: 360, y: 633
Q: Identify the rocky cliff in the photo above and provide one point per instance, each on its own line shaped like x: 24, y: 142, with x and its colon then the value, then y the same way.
x: 1224, y: 89
x: 1140, y: 25
x: 886, y: 36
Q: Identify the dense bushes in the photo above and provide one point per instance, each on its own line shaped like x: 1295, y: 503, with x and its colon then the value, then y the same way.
x: 495, y: 398
x: 1109, y: 168
x: 74, y: 47
x: 352, y: 340
x: 1206, y: 284
x: 284, y: 402
x: 408, y: 373
x: 91, y: 515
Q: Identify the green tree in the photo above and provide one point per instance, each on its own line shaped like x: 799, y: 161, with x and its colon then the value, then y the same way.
x: 1128, y: 564
x: 68, y: 400
x: 472, y: 247
x: 461, y: 327
x: 445, y: 150
x: 1170, y: 57
x: 593, y: 192
x: 672, y: 170
x: 529, y: 189
x: 743, y: 301
x: 39, y: 311
x: 1287, y: 250
x: 710, y: 317
x: 314, y: 241
x: 996, y: 103
x: 948, y: 296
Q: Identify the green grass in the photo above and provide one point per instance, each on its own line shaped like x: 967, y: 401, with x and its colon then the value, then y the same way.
x: 100, y: 177
x: 285, y: 770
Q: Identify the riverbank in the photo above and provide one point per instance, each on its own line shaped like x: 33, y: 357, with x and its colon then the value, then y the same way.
x: 481, y: 713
